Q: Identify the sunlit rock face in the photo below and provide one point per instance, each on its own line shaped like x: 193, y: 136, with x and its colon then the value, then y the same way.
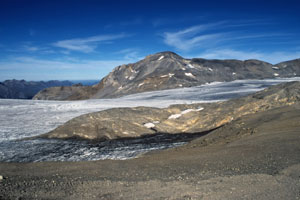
x: 167, y: 70
x: 135, y: 122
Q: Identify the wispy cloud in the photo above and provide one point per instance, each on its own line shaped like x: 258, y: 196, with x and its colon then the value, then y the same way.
x: 67, y: 68
x: 130, y: 54
x: 88, y: 44
x: 191, y: 37
x: 207, y: 36
x: 271, y: 57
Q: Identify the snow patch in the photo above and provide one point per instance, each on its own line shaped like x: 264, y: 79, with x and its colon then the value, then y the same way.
x: 233, y: 73
x: 275, y: 74
x: 161, y: 57
x: 189, y: 74
x: 183, y: 69
x: 131, y: 77
x: 175, y: 116
x: 191, y: 66
x: 210, y: 69
x: 167, y: 75
x: 141, y: 84
x: 276, y: 68
x: 149, y: 125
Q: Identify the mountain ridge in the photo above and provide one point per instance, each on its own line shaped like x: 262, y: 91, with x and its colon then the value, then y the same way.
x: 21, y: 89
x: 168, y: 70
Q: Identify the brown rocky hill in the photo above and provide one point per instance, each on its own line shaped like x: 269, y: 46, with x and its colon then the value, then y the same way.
x: 194, y: 118
x: 167, y: 70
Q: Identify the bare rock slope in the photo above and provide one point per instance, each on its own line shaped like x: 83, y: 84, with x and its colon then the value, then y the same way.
x: 167, y: 70
x: 135, y: 122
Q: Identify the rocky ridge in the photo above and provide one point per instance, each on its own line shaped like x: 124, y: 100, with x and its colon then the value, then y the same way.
x: 135, y: 122
x: 167, y: 70
x: 21, y: 89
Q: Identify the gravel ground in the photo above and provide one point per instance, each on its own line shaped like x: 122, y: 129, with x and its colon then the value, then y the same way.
x: 238, y: 164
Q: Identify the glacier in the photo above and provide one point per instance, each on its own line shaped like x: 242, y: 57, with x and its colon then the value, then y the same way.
x: 20, y: 119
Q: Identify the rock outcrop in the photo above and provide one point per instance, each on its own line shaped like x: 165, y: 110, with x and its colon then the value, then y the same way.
x: 167, y: 70
x: 134, y: 122
x: 21, y: 89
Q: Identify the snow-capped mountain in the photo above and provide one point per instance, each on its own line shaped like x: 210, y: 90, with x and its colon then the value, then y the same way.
x: 167, y: 70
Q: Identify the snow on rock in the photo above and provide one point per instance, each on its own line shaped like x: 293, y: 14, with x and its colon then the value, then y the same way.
x: 175, y: 116
x: 170, y: 75
x: 191, y: 66
x: 210, y: 69
x: 233, y: 73
x: 189, y: 74
x: 161, y: 57
x: 131, y: 77
x: 276, y: 68
x: 141, y: 84
x: 187, y: 111
x: 149, y: 125
x: 295, y: 74
x: 275, y: 74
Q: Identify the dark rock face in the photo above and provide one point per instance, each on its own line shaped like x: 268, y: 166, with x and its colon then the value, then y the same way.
x: 21, y: 89
x: 167, y: 70
x: 193, y: 118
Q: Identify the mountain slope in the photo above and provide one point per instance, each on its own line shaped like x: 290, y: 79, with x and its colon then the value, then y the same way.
x: 167, y: 70
x: 21, y: 89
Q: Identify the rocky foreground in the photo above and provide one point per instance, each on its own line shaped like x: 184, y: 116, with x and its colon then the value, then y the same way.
x: 167, y: 70
x: 254, y: 155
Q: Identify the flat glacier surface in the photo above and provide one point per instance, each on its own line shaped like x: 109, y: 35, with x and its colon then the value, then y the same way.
x: 25, y: 118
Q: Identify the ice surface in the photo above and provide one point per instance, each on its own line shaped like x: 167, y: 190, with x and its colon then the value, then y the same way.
x: 26, y: 118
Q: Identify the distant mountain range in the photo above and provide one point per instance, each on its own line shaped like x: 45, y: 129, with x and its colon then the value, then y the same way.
x: 21, y: 89
x: 167, y: 70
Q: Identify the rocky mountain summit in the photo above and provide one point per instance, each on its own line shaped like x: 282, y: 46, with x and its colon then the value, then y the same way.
x: 193, y: 118
x: 167, y: 70
x: 21, y: 89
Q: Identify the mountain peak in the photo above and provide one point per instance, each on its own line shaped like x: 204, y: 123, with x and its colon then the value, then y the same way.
x: 162, y: 55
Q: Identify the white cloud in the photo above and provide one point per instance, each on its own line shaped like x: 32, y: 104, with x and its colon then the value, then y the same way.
x: 191, y: 37
x: 88, y: 44
x: 271, y: 57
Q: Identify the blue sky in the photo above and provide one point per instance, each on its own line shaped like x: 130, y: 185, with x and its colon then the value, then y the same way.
x: 77, y: 40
